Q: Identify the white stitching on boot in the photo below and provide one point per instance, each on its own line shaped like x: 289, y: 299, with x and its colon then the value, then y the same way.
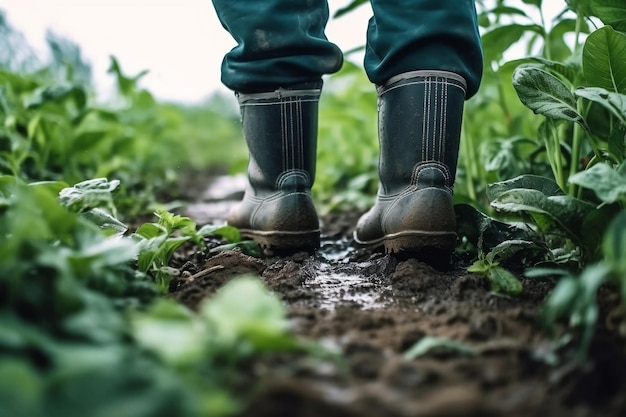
x: 425, y: 130
x: 293, y: 174
x: 439, y: 166
x: 442, y: 130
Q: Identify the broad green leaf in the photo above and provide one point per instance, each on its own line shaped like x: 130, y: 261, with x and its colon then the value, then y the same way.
x: 151, y: 230
x: 148, y: 252
x: 509, y: 248
x: 594, y: 229
x: 581, y: 7
x: 125, y: 384
x: 550, y: 213
x: 85, y: 141
x: 506, y: 10
x: 20, y: 82
x: 560, y: 48
x: 89, y: 194
x: 229, y: 233
x: 611, y: 12
x: 98, y: 321
x: 21, y: 388
x: 168, y: 248
x: 428, y: 344
x: 497, y: 41
x: 502, y: 156
x: 56, y: 94
x: 245, y: 310
x: 484, y: 18
x: 483, y: 231
x: 173, y: 222
x: 104, y: 220
x: 568, y: 70
x: 545, y: 94
x: 533, y: 182
x: 617, y: 142
x: 172, y: 332
x: 479, y: 266
x: 33, y: 124
x: 607, y: 183
x: 599, y: 119
x: 575, y: 299
x: 603, y: 60
x: 504, y: 282
x: 614, y: 102
x: 561, y: 299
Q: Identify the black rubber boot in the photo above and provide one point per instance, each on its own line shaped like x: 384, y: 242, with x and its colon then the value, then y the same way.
x: 420, y: 114
x: 280, y: 129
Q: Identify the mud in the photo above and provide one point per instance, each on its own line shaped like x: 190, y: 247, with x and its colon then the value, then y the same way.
x: 488, y: 354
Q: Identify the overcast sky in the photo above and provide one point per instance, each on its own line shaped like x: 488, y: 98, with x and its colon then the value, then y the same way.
x: 181, y: 42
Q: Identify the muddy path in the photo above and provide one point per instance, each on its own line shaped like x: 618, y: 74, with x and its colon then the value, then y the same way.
x: 478, y: 353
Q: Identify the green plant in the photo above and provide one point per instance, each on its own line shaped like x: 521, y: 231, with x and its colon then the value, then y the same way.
x: 583, y: 102
x: 575, y: 218
x: 158, y: 242
x: 84, y: 330
x: 52, y: 127
x: 574, y: 299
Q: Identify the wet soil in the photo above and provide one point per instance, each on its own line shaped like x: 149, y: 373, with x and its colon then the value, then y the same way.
x: 480, y: 353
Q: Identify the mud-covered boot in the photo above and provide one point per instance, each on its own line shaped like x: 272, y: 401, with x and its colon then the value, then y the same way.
x: 280, y: 129
x: 420, y: 114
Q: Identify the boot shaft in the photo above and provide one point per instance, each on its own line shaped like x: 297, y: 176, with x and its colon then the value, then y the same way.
x: 280, y: 129
x: 420, y: 115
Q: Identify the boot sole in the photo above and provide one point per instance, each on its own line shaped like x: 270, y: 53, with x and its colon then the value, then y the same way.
x: 280, y: 241
x: 413, y: 241
x: 419, y: 241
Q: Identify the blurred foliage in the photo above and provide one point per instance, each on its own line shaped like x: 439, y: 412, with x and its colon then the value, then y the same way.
x: 84, y: 328
x: 53, y: 128
x: 348, y: 142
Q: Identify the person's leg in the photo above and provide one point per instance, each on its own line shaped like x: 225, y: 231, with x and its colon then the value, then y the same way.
x: 425, y: 57
x: 276, y: 71
x: 409, y: 35
x: 280, y: 43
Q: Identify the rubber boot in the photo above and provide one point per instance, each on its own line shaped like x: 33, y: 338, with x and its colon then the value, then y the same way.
x: 420, y: 114
x: 280, y: 129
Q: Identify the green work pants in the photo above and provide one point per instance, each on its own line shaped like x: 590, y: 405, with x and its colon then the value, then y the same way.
x: 281, y: 43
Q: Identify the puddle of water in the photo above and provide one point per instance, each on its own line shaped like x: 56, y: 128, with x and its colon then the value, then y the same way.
x: 336, y: 250
x: 334, y: 285
x: 335, y: 288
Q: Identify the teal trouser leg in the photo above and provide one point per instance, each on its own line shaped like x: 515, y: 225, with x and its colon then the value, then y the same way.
x: 281, y: 43
x: 408, y: 35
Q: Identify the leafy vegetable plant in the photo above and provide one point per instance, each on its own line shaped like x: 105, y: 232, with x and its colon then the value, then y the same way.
x: 158, y: 243
x: 574, y: 211
x: 82, y: 329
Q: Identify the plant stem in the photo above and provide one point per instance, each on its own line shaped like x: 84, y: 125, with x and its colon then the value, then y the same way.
x: 577, y: 30
x: 469, y: 162
x: 576, y: 145
x: 544, y: 33
x: 558, y: 161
